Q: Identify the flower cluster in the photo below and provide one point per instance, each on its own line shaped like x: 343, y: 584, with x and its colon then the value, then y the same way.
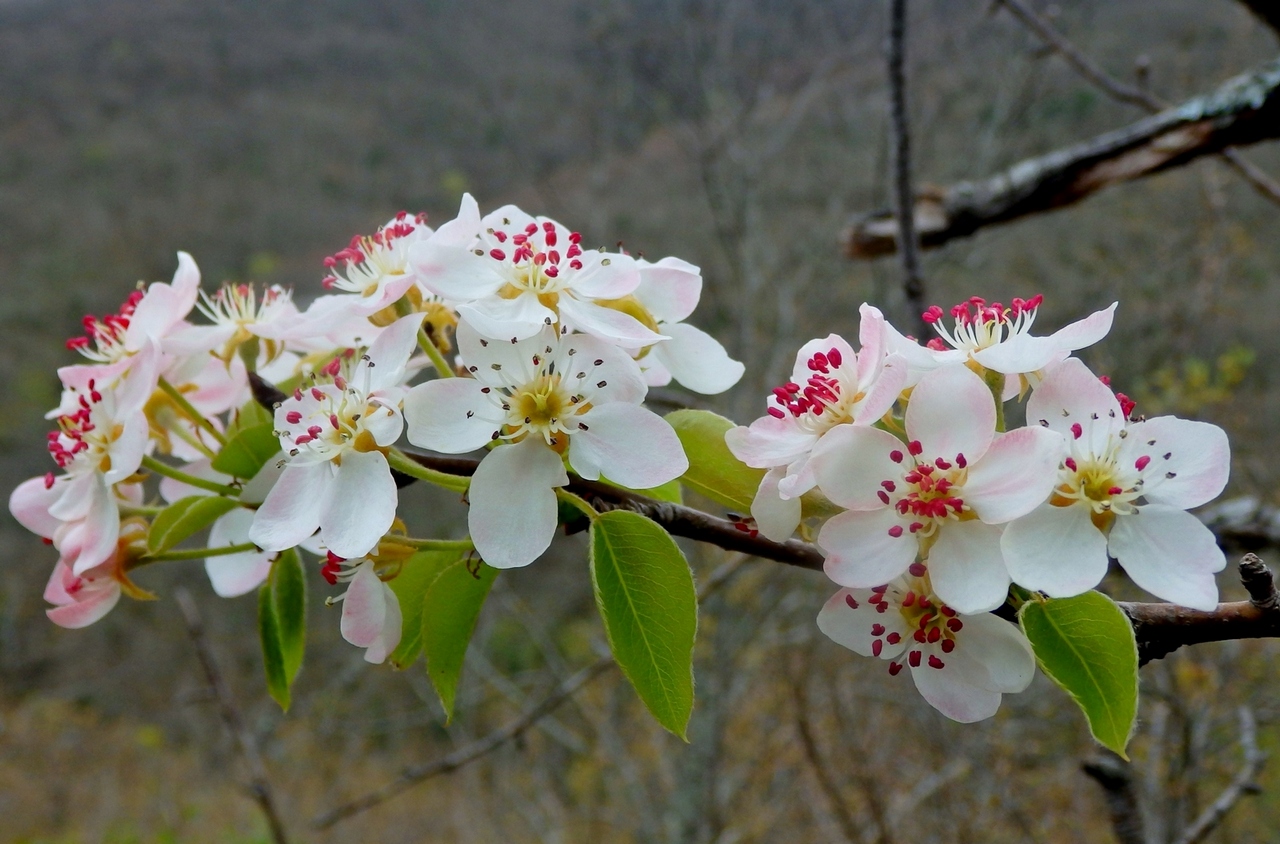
x: 940, y: 509
x: 556, y: 344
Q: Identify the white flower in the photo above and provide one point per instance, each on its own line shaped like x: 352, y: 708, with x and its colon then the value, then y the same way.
x: 961, y: 664
x: 376, y: 267
x: 1122, y: 489
x: 371, y: 616
x: 521, y: 274
x: 669, y: 290
x: 336, y: 477
x: 831, y: 385
x: 541, y: 398
x: 941, y: 494
x: 239, y: 316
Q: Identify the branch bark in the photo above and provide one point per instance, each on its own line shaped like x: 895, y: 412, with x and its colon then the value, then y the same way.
x: 908, y: 242
x: 1242, y: 111
x: 1242, y: 785
x: 1115, y: 776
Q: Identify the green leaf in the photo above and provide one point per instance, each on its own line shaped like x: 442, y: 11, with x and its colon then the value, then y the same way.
x: 645, y: 593
x: 670, y: 491
x: 713, y: 470
x: 185, y: 517
x: 282, y: 625
x: 1086, y: 645
x: 449, y: 613
x: 416, y: 576
x: 247, y: 451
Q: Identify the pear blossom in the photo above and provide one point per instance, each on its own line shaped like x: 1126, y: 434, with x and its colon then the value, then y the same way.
x: 371, y: 616
x: 942, y: 494
x: 1122, y: 490
x: 539, y: 399
x: 961, y: 664
x: 81, y: 599
x: 336, y: 477
x: 376, y: 267
x: 998, y: 338
x: 521, y: 273
x: 831, y: 386
x: 239, y: 316
x: 669, y: 291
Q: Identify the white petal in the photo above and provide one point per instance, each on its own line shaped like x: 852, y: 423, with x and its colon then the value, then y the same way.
x: 776, y: 517
x: 769, y: 441
x: 874, y: 341
x: 883, y: 391
x: 364, y: 608
x: 606, y: 323
x: 851, y: 462
x: 1169, y: 553
x: 500, y: 362
x: 604, y: 275
x: 1085, y: 332
x: 1001, y: 649
x: 697, y: 360
x: 948, y: 693
x: 291, y: 512
x: 235, y: 574
x: 100, y: 530
x: 513, y: 505
x: 1055, y: 550
x: 452, y: 415
x: 851, y: 627
x: 952, y: 412
x: 1199, y: 459
x: 362, y: 505
x: 391, y: 352
x: 617, y: 371
x: 669, y: 289
x: 1020, y: 353
x: 1016, y: 475
x: 966, y: 567
x: 461, y: 230
x: 860, y: 550
x: 1072, y: 395
x: 628, y: 444
x: 454, y: 272
x: 920, y: 359
x: 504, y: 319
x: 392, y: 629
x: 30, y: 504
x: 127, y: 450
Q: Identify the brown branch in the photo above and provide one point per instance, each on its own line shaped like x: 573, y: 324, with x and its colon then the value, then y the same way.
x: 908, y: 241
x: 1115, y: 776
x: 1163, y: 628
x: 826, y: 780
x: 259, y: 786
x: 1242, y: 111
x: 1243, y: 784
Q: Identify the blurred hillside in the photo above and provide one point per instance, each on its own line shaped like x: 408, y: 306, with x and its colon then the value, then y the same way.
x: 259, y: 135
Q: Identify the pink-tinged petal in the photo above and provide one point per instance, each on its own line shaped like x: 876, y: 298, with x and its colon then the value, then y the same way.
x: 513, y: 505
x: 1001, y: 649
x: 861, y: 551
x: 800, y: 478
x: 454, y: 272
x: 235, y: 574
x: 198, y: 339
x: 362, y: 505
x: 92, y: 606
x: 669, y: 289
x: 606, y: 323
x: 1085, y: 332
x: 75, y: 496
x: 291, y: 511
x: 889, y: 383
x: 60, y: 581
x: 390, y: 353
x: 364, y: 607
x: 605, y: 275
x: 627, y: 444
x: 967, y: 569
x: 1169, y: 553
x: 452, y: 415
x: 505, y: 319
x: 139, y: 382
x: 776, y: 517
x: 1187, y: 462
x: 392, y: 629
x: 947, y: 692
x: 1020, y: 353
x: 463, y: 229
x: 952, y: 412
x: 874, y: 341
x: 127, y: 450
x: 98, y: 534
x: 769, y: 442
x: 697, y: 360
x: 30, y: 504
x: 853, y: 628
x: 1055, y: 550
x: 801, y: 372
x: 1016, y: 475
x: 920, y: 359
x: 1071, y: 395
x: 655, y: 374
x: 851, y: 462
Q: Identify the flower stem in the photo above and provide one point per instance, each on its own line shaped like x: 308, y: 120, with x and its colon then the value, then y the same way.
x: 995, y: 382
x: 432, y: 544
x: 191, y: 413
x: 191, y: 480
x: 437, y: 359
x: 197, y: 553
x: 577, y: 503
x: 400, y: 463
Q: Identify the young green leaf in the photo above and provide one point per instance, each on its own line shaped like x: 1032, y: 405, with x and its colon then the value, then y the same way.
x: 272, y: 653
x: 1086, y: 645
x: 449, y: 613
x: 713, y: 470
x: 645, y: 593
x: 670, y: 491
x: 410, y: 586
x: 185, y: 517
x: 247, y: 451
x: 282, y: 625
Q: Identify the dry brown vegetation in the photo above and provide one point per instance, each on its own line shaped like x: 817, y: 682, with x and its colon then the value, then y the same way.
x: 260, y: 134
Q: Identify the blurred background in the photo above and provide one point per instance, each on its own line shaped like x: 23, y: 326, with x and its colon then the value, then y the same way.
x: 741, y: 135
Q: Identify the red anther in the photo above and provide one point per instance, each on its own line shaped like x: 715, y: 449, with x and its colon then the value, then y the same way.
x: 889, y: 486
x: 328, y: 283
x: 520, y: 239
x: 574, y: 237
x: 552, y: 271
x: 315, y: 430
x: 913, y: 659
x: 500, y: 236
x: 977, y: 301
x: 303, y: 440
x: 947, y: 611
x: 1070, y: 463
x: 293, y: 417
x: 912, y: 477
x: 1115, y: 490
x: 883, y: 496
x: 894, y: 638
x: 919, y: 636
x: 895, y: 531
x: 77, y: 343
x: 925, y: 469
x: 915, y: 447
x: 877, y: 645
x: 934, y: 635
x: 932, y: 315
x: 943, y: 484
x: 934, y: 662
x: 909, y: 598
x: 895, y: 456
x: 894, y: 668
x: 1105, y: 379
x: 942, y: 464
x: 955, y: 625
x: 961, y: 461
x: 882, y: 607
x: 1077, y: 430
x: 49, y: 480
x: 333, y: 420
x: 915, y: 527
x: 851, y: 601
x: 1141, y: 462
x: 550, y: 237
x: 340, y: 382
x: 1126, y: 404
x: 317, y: 394
x: 95, y: 396
x: 497, y: 255
x: 575, y: 264
x: 553, y: 256
x: 532, y: 228
x: 903, y: 506
x: 877, y: 629
x: 333, y: 367
x: 948, y: 645
x: 776, y: 413
x: 936, y: 344
x: 916, y: 569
